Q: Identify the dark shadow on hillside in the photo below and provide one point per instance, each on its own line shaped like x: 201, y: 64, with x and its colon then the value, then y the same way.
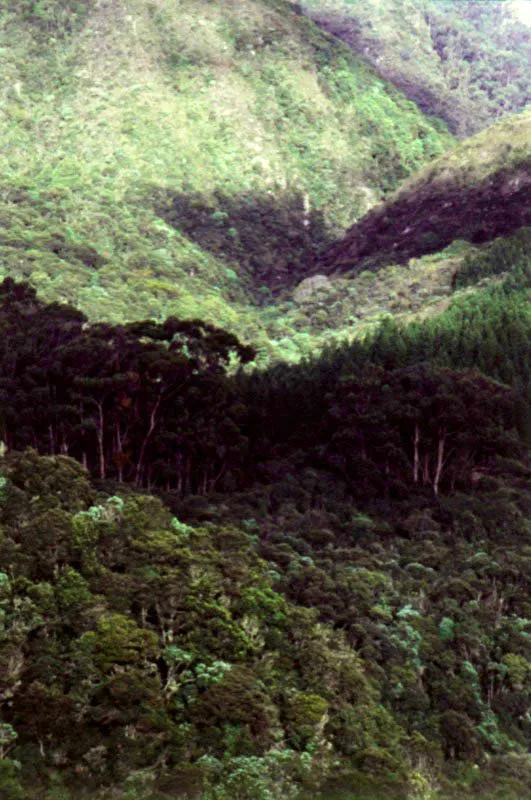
x: 428, y: 218
x: 273, y: 241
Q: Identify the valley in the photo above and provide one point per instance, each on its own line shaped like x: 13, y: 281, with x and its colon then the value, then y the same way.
x: 265, y: 400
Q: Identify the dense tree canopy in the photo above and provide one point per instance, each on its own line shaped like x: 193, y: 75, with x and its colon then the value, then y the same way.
x: 222, y: 582
x: 347, y: 599
x: 136, y: 402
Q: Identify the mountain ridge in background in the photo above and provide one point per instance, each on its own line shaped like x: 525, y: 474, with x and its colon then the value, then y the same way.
x: 198, y: 164
x: 467, y: 62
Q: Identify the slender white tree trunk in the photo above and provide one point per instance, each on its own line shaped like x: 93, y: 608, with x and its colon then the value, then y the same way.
x: 440, y: 461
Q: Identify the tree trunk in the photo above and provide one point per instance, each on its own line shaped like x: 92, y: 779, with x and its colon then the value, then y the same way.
x: 416, y: 455
x: 100, y: 432
x: 51, y: 437
x: 440, y: 461
x: 147, y: 437
x: 120, y: 454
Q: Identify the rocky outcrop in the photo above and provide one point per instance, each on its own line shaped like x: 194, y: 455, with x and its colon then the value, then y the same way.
x: 478, y: 191
x: 309, y: 286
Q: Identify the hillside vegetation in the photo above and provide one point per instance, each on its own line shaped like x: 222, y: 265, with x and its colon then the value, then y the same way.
x: 305, y: 581
x: 334, y: 601
x: 476, y: 192
x: 465, y: 61
x: 163, y: 159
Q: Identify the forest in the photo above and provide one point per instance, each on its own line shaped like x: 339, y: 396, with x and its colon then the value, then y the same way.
x: 170, y: 404
x: 309, y: 581
x: 265, y: 513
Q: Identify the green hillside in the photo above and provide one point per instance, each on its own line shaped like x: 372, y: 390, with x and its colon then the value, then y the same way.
x: 333, y: 602
x: 159, y: 159
x: 475, y: 192
x: 265, y: 406
x: 466, y: 61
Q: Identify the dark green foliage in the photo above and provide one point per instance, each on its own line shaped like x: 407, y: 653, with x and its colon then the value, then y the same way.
x: 101, y: 393
x: 506, y: 255
x: 437, y: 424
x: 10, y: 788
x: 347, y: 593
x: 271, y: 240
x: 343, y: 597
x: 111, y: 667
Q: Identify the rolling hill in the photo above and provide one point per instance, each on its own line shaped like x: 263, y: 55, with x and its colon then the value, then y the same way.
x: 160, y: 160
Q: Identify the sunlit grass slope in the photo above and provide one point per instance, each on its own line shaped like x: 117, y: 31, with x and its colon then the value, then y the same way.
x: 136, y: 135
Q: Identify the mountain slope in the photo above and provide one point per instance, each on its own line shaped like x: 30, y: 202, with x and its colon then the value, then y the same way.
x: 181, y: 160
x: 341, y: 610
x: 475, y: 192
x: 467, y: 62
